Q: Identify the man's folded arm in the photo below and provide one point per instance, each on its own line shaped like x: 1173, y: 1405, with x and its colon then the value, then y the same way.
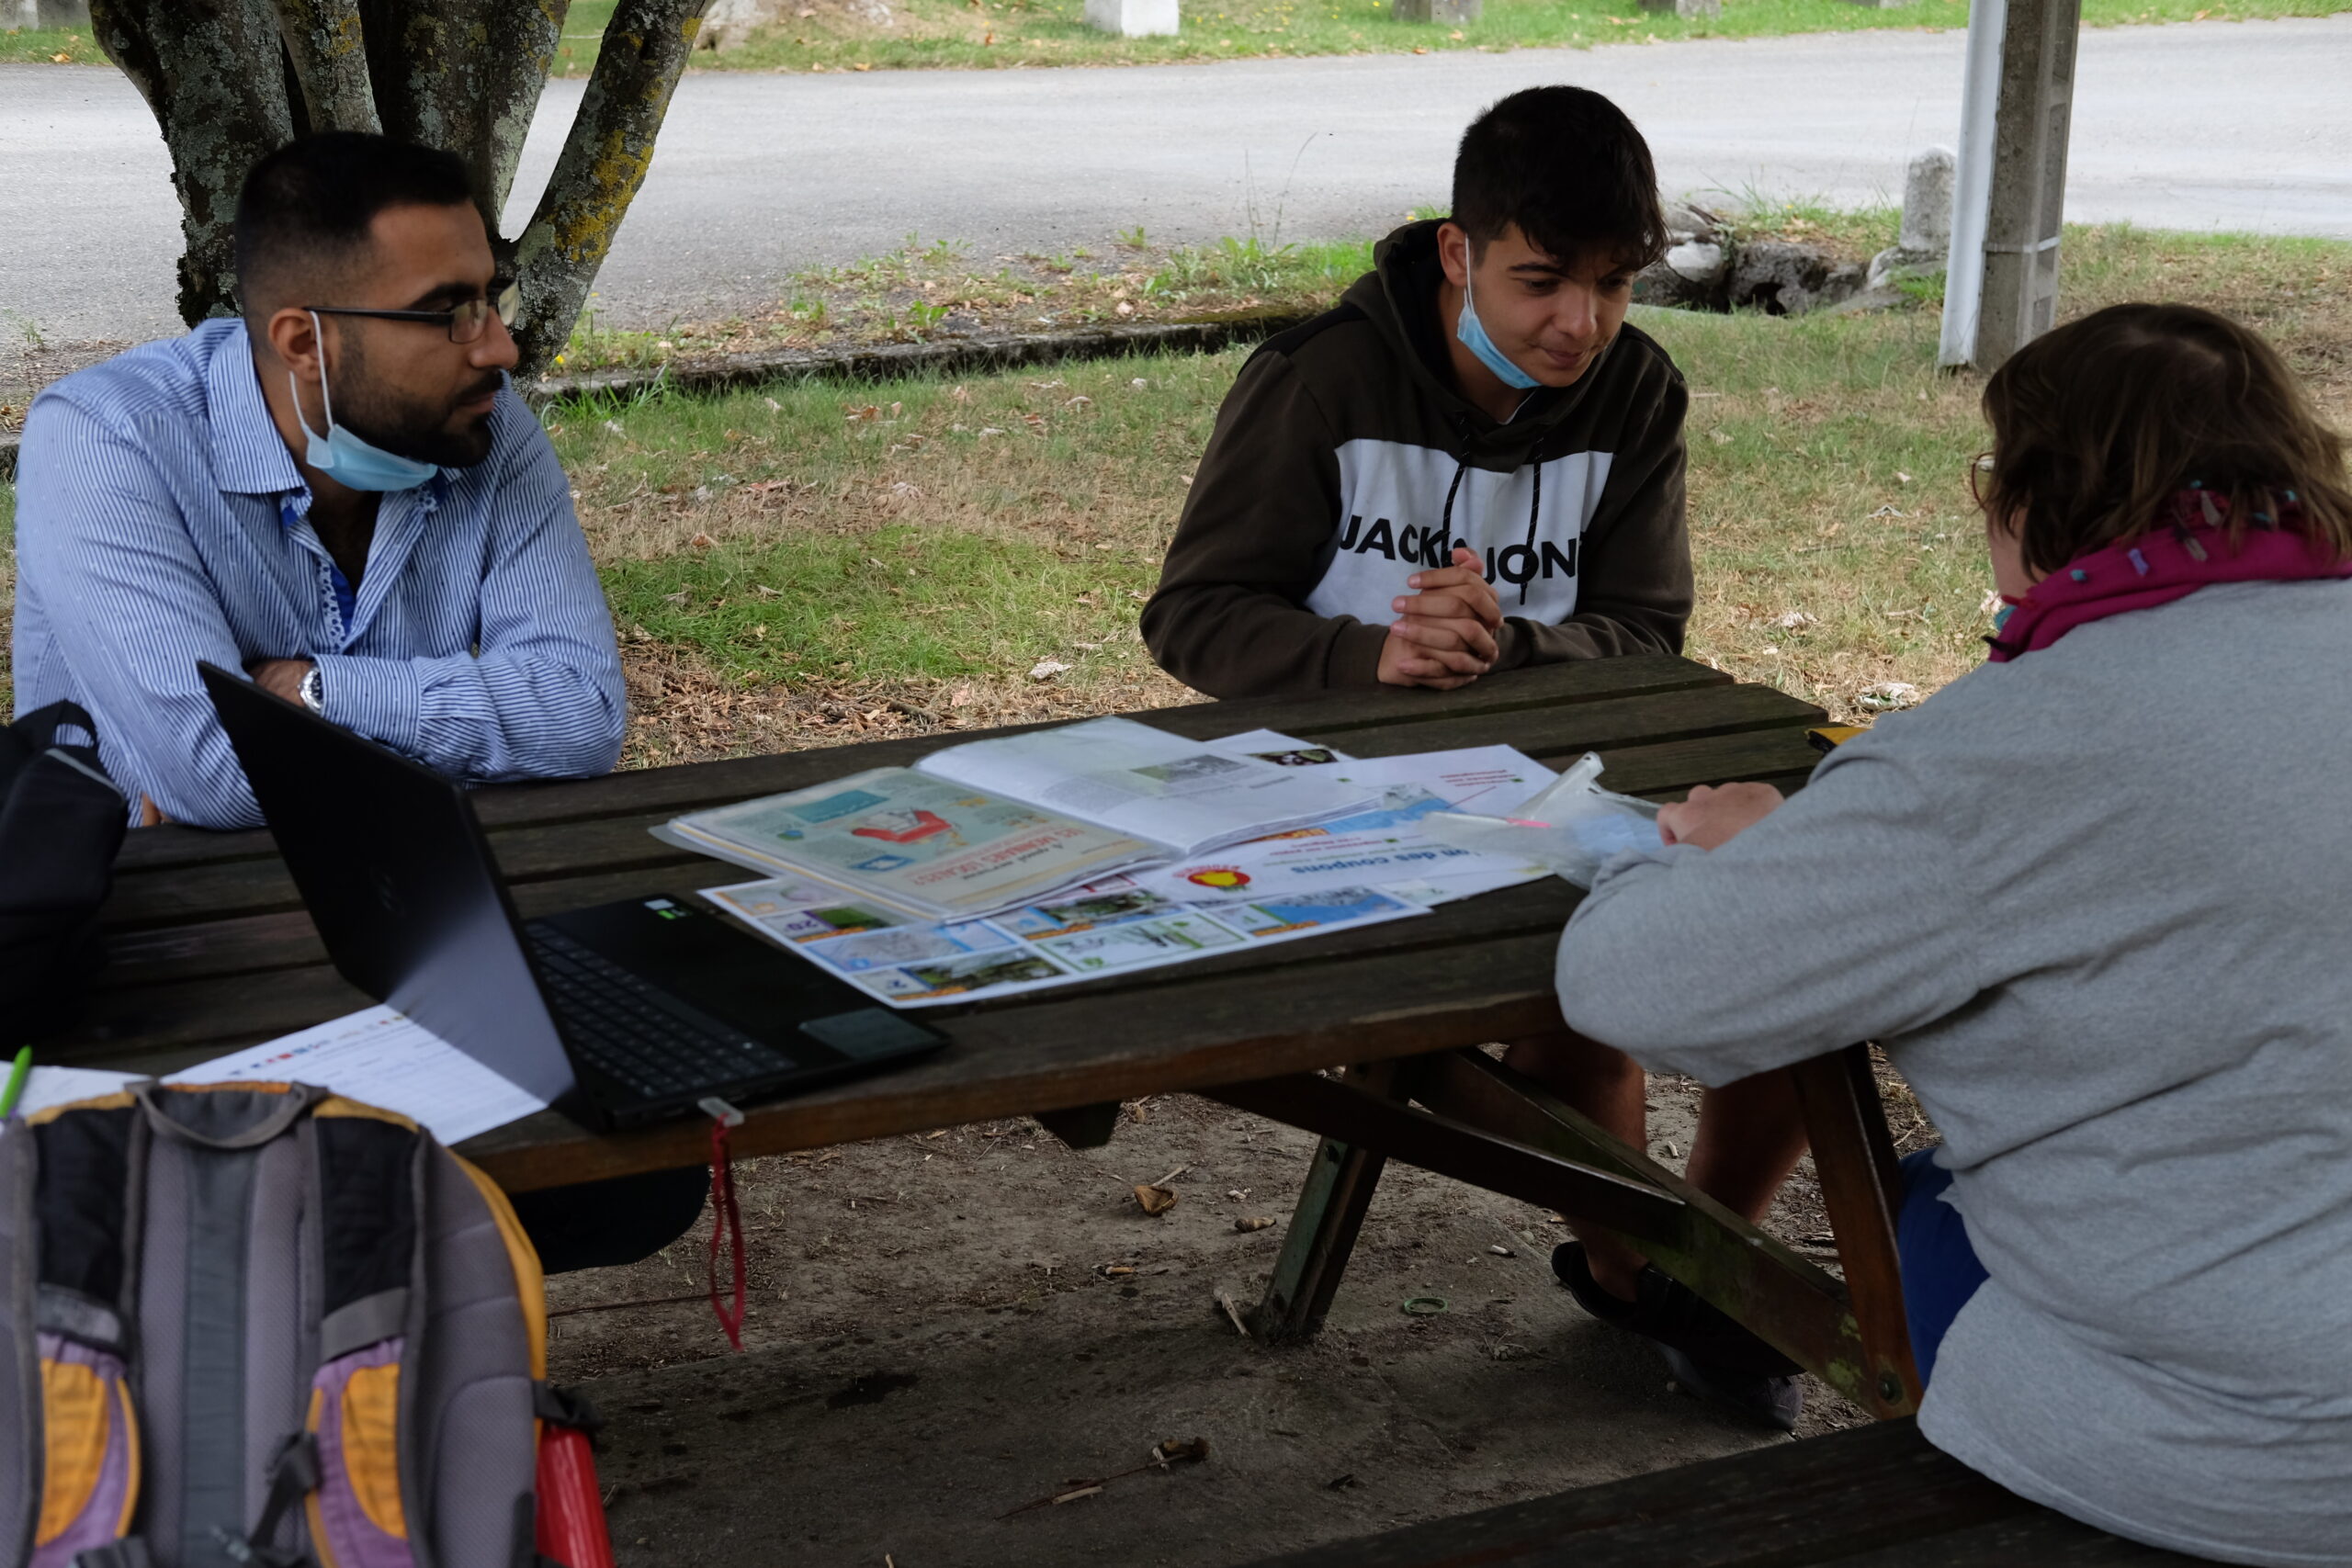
x: 1225, y: 619
x: 544, y: 697
x: 133, y: 610
x: 1635, y: 587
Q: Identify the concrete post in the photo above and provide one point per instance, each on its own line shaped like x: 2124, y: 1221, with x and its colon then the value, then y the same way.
x: 45, y: 13
x: 1132, y: 19
x: 2026, y: 203
x: 1450, y: 12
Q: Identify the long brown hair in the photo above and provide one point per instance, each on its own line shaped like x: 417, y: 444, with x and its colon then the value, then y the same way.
x: 2099, y: 424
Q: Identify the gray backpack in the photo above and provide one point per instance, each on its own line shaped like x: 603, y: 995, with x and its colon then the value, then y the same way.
x: 259, y: 1324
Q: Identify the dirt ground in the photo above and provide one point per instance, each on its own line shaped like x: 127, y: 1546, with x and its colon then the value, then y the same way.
x: 944, y: 1327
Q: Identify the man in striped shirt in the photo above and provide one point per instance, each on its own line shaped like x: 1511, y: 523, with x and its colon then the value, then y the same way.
x: 339, y: 493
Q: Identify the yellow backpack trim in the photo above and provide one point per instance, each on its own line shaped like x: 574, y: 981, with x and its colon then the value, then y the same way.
x: 530, y: 1282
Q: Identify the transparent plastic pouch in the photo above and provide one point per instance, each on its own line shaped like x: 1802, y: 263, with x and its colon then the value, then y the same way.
x: 1574, y: 826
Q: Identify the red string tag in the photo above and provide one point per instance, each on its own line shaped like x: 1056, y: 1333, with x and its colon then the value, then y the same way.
x: 725, y: 1217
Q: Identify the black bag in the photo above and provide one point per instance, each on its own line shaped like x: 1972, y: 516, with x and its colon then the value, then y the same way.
x: 61, y: 820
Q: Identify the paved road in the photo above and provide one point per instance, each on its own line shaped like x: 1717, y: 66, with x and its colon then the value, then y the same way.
x: 2241, y: 126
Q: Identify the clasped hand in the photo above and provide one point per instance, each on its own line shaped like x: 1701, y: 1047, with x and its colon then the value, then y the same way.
x: 1444, y: 634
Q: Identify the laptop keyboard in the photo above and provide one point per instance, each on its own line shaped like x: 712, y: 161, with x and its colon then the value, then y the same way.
x: 637, y: 1034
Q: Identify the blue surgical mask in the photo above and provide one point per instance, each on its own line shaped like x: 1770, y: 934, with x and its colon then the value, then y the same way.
x: 1472, y: 333
x: 342, y: 456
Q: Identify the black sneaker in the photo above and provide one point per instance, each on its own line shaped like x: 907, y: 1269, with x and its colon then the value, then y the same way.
x: 1672, y: 1314
x: 1774, y: 1402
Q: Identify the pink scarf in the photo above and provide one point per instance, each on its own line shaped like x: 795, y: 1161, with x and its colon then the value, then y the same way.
x: 2154, y: 568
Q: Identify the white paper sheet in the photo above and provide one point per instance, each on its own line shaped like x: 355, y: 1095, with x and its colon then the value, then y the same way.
x: 64, y: 1086
x: 382, y: 1058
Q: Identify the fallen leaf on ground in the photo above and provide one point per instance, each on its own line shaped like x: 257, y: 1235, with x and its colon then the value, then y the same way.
x: 1155, y: 1198
x: 1257, y: 1224
x: 1045, y: 669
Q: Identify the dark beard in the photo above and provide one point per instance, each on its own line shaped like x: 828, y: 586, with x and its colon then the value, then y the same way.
x: 408, y: 427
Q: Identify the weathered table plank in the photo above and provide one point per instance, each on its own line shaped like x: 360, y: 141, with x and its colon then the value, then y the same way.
x: 1876, y: 1496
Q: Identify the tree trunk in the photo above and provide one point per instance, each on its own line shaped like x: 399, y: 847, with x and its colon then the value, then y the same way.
x: 464, y: 74
x: 330, y: 57
x: 603, y: 161
x: 194, y: 61
x: 232, y: 80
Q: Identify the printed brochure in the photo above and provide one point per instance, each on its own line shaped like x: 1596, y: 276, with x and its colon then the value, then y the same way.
x: 1385, y: 847
x: 1108, y: 927
x: 993, y: 825
x: 918, y: 843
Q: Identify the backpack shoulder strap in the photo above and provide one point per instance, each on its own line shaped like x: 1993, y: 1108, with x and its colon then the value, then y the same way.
x: 70, y: 1180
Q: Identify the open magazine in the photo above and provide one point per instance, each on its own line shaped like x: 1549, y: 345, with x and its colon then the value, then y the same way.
x: 988, y: 826
x: 1366, y: 868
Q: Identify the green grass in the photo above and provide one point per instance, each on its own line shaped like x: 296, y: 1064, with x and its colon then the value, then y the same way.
x: 1838, y: 548
x: 982, y: 33
x: 903, y: 601
x: 41, y: 46
x: 785, y: 564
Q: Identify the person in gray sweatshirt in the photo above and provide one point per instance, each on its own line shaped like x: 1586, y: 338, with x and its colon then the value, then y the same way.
x: 2092, y: 899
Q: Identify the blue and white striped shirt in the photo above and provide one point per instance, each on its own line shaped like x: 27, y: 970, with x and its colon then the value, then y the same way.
x: 161, y: 520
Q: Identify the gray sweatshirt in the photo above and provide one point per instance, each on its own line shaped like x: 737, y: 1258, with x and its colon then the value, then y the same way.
x: 2095, y: 903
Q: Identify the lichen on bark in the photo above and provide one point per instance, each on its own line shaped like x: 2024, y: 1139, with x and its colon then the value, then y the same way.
x: 232, y: 80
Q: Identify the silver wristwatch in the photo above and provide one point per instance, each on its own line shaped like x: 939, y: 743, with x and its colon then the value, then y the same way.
x: 314, y: 692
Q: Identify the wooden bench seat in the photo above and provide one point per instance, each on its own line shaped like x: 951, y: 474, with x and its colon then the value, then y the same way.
x: 1876, y: 1496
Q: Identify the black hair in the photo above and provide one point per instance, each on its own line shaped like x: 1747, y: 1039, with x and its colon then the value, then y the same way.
x: 306, y: 208
x: 1567, y: 168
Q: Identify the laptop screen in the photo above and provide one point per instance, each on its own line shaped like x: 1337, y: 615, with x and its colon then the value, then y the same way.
x: 398, y: 880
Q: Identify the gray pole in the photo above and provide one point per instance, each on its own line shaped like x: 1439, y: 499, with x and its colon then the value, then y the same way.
x: 1972, y: 184
x: 2027, y: 199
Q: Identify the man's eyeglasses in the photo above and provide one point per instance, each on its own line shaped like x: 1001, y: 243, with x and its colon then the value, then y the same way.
x: 466, y: 321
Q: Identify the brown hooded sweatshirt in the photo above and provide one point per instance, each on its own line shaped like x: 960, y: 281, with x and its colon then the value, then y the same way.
x: 1344, y: 460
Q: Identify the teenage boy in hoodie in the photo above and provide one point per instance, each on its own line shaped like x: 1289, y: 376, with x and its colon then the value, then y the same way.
x: 1474, y: 464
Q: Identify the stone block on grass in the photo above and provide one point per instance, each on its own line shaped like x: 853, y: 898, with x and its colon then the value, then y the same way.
x: 1688, y: 9
x: 1452, y: 12
x: 1132, y: 19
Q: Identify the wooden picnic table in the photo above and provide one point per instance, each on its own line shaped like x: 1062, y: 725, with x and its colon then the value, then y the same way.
x: 212, y: 950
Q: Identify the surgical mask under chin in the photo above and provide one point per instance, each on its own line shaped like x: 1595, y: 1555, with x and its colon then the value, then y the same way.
x: 1472, y: 333
x: 342, y: 456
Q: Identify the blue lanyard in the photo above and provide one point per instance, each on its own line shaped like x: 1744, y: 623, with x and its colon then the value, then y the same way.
x: 346, y: 601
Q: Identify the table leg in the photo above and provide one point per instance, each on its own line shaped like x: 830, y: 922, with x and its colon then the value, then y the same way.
x: 1338, y: 1187
x: 1861, y: 1187
x: 1777, y: 1293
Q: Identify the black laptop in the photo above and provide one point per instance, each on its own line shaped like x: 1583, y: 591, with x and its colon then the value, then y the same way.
x: 620, y: 1014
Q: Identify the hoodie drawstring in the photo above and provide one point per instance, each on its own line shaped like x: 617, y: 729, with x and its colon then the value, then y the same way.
x: 1534, y: 517
x: 1534, y: 514
x: 1445, y: 518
